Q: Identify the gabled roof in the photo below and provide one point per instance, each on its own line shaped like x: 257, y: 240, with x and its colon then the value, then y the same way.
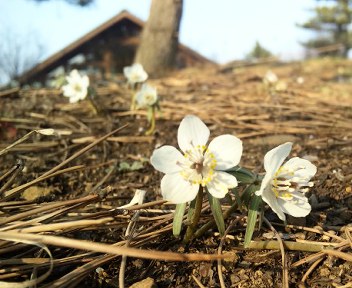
x: 49, y: 63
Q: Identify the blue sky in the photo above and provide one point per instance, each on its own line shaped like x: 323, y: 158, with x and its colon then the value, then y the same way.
x: 222, y: 30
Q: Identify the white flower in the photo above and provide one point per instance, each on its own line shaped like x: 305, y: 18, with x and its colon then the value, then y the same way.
x: 300, y: 80
x: 199, y: 164
x: 77, y: 86
x: 270, y: 78
x: 147, y: 96
x: 284, y: 186
x: 135, y: 73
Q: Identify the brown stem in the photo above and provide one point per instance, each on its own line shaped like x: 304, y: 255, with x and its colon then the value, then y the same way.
x: 194, y: 216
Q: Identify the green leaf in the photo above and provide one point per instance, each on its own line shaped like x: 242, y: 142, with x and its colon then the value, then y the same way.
x: 228, y: 197
x: 91, y: 92
x: 136, y: 165
x: 191, y: 210
x: 178, y: 216
x: 254, y: 207
x: 243, y: 175
x: 157, y: 106
x: 215, y: 207
x: 124, y: 166
x: 238, y: 198
x: 248, y: 194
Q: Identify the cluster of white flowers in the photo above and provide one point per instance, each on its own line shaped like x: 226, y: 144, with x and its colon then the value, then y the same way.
x: 77, y: 85
x: 283, y: 188
x: 271, y: 80
x: 147, y: 96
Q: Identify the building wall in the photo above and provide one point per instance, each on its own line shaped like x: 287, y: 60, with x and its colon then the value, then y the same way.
x: 102, y: 56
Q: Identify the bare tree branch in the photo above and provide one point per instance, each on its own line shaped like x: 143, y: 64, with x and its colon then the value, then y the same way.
x: 18, y: 53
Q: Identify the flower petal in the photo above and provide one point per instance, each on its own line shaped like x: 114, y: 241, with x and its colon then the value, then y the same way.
x: 74, y: 75
x: 269, y: 197
x: 67, y: 90
x: 296, y: 207
x: 307, y: 168
x: 176, y: 189
x: 165, y: 158
x: 135, y: 73
x: 74, y: 99
x: 146, y: 96
x: 192, y: 132
x: 266, y: 182
x: 127, y: 71
x: 221, y: 183
x: 275, y: 157
x: 227, y: 150
x: 85, y: 81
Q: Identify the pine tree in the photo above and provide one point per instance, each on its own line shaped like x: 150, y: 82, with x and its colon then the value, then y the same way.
x: 258, y: 52
x: 331, y: 24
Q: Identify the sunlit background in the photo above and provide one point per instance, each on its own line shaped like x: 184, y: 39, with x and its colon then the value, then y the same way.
x: 221, y: 30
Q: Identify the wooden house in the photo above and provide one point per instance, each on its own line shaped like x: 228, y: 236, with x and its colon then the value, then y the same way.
x: 103, y: 52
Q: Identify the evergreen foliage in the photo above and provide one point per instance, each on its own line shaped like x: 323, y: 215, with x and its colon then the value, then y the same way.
x: 331, y: 23
x: 258, y: 52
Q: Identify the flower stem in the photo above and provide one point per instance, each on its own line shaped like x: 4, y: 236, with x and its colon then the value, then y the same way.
x: 133, y: 101
x: 194, y: 215
x: 152, y: 123
x: 93, y: 106
x: 212, y: 223
x: 133, y: 97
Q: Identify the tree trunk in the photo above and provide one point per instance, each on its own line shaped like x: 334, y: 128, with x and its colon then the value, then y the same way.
x: 341, y: 36
x: 159, y: 40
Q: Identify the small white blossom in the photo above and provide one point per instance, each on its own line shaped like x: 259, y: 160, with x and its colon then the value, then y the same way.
x: 147, y: 96
x: 284, y: 186
x: 135, y: 73
x: 270, y: 78
x: 77, y: 86
x: 300, y: 80
x: 199, y: 164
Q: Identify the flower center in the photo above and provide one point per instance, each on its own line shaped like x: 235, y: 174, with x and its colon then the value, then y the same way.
x: 77, y: 87
x: 149, y: 99
x: 287, y: 182
x: 135, y: 77
x: 198, y: 165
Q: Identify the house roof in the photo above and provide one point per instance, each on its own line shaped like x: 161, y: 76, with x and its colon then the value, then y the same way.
x: 50, y: 62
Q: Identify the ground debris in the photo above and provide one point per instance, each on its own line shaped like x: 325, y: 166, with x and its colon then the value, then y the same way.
x: 315, y: 115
